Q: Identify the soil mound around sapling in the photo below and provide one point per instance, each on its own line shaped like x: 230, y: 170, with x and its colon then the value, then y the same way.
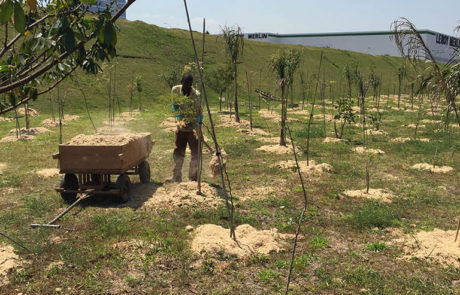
x: 427, y: 121
x: 270, y: 115
x: 272, y: 140
x: 32, y: 112
x: 214, y: 163
x: 8, y: 261
x: 31, y: 131
x: 47, y: 173
x: 254, y: 132
x: 105, y: 139
x: 177, y: 195
x: 228, y: 122
x: 213, y: 240
x: 376, y: 132
x: 55, y: 123
x: 259, y: 193
x: 313, y: 168
x: 278, y: 149
x: 321, y: 117
x: 414, y: 125
x: 432, y: 168
x: 334, y: 140
x: 364, y: 150
x: 436, y: 246
x: 12, y: 138
x: 2, y: 119
x: 382, y: 195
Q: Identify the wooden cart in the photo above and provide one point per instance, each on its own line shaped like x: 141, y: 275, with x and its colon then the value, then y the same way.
x: 88, y: 169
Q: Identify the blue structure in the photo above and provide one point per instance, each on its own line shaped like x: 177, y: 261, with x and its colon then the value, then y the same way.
x: 115, y: 5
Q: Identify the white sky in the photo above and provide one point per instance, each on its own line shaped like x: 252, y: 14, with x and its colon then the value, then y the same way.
x: 296, y: 16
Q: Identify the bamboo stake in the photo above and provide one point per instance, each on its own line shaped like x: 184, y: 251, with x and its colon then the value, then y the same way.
x: 199, y: 130
x: 228, y: 201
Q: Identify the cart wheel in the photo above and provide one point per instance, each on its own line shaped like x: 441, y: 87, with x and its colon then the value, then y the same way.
x: 144, y: 172
x: 69, y: 181
x: 123, y: 184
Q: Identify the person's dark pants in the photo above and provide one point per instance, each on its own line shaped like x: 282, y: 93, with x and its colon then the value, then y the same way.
x: 180, y: 144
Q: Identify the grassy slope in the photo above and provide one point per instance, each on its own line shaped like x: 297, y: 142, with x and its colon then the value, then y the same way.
x: 333, y: 258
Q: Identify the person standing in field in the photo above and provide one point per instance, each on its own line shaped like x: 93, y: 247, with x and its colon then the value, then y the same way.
x: 186, y: 106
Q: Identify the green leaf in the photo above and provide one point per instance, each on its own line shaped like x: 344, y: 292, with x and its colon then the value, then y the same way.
x: 69, y: 40
x: 19, y: 18
x: 12, y: 98
x: 110, y: 35
x: 6, y: 11
x: 34, y: 93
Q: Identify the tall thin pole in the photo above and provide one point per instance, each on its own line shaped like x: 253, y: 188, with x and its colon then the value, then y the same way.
x: 200, y: 131
x: 228, y: 202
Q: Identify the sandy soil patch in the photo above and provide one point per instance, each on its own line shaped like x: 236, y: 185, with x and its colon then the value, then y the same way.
x: 278, y: 149
x: 50, y: 123
x: 432, y: 168
x: 376, y: 132
x: 8, y: 261
x: 105, y: 139
x: 169, y: 125
x: 254, y: 132
x: 32, y: 112
x: 50, y: 172
x: 175, y: 195
x: 363, y: 150
x: 313, y: 168
x: 413, y: 126
x: 31, y: 131
x: 11, y: 138
x: 2, y: 167
x: 2, y: 119
x: 299, y: 112
x: 274, y: 116
x: 382, y: 195
x: 436, y: 246
x: 334, y: 140
x: 214, y: 240
x: 228, y: 122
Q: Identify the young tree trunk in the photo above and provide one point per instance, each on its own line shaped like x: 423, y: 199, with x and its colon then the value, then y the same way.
x: 26, y: 114
x: 283, y: 119
x: 235, y: 91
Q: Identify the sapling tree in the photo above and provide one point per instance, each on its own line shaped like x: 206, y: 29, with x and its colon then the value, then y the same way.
x: 172, y: 77
x: 139, y: 89
x: 443, y: 78
x: 52, y: 39
x: 401, y: 73
x: 345, y: 115
x: 234, y: 45
x: 219, y: 81
x: 362, y: 85
x: 284, y: 64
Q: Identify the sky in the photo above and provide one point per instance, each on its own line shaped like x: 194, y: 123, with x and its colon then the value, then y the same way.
x: 296, y: 16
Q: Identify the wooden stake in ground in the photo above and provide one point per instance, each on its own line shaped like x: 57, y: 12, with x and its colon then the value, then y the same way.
x: 228, y: 201
x: 458, y: 228
x: 199, y: 130
x: 250, y: 104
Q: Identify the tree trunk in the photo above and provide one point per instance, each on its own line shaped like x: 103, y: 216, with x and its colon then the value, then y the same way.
x: 235, y: 91
x: 283, y: 119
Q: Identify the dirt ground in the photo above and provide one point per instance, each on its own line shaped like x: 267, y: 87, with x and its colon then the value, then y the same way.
x: 432, y: 168
x: 376, y: 132
x: 333, y: 140
x: 169, y: 125
x: 173, y: 195
x: 279, y: 149
x: 50, y: 123
x: 49, y: 172
x: 32, y: 112
x: 362, y: 150
x: 383, y: 195
x: 436, y: 246
x: 313, y: 168
x: 213, y: 240
x: 404, y: 139
x: 8, y: 261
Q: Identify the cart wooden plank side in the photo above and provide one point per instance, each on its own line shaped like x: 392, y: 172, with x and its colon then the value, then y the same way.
x: 88, y: 168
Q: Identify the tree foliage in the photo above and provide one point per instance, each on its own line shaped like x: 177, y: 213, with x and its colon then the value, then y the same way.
x: 50, y: 40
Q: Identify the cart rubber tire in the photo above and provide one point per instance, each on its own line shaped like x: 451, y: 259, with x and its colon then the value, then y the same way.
x: 144, y: 172
x: 69, y: 181
x: 123, y: 184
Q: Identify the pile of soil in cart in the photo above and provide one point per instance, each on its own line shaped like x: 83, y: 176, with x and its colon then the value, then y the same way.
x: 8, y: 261
x: 176, y: 195
x: 437, y: 246
x: 213, y: 240
x: 105, y: 139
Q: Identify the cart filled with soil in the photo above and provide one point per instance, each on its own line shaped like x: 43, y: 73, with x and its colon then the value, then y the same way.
x: 89, y: 163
